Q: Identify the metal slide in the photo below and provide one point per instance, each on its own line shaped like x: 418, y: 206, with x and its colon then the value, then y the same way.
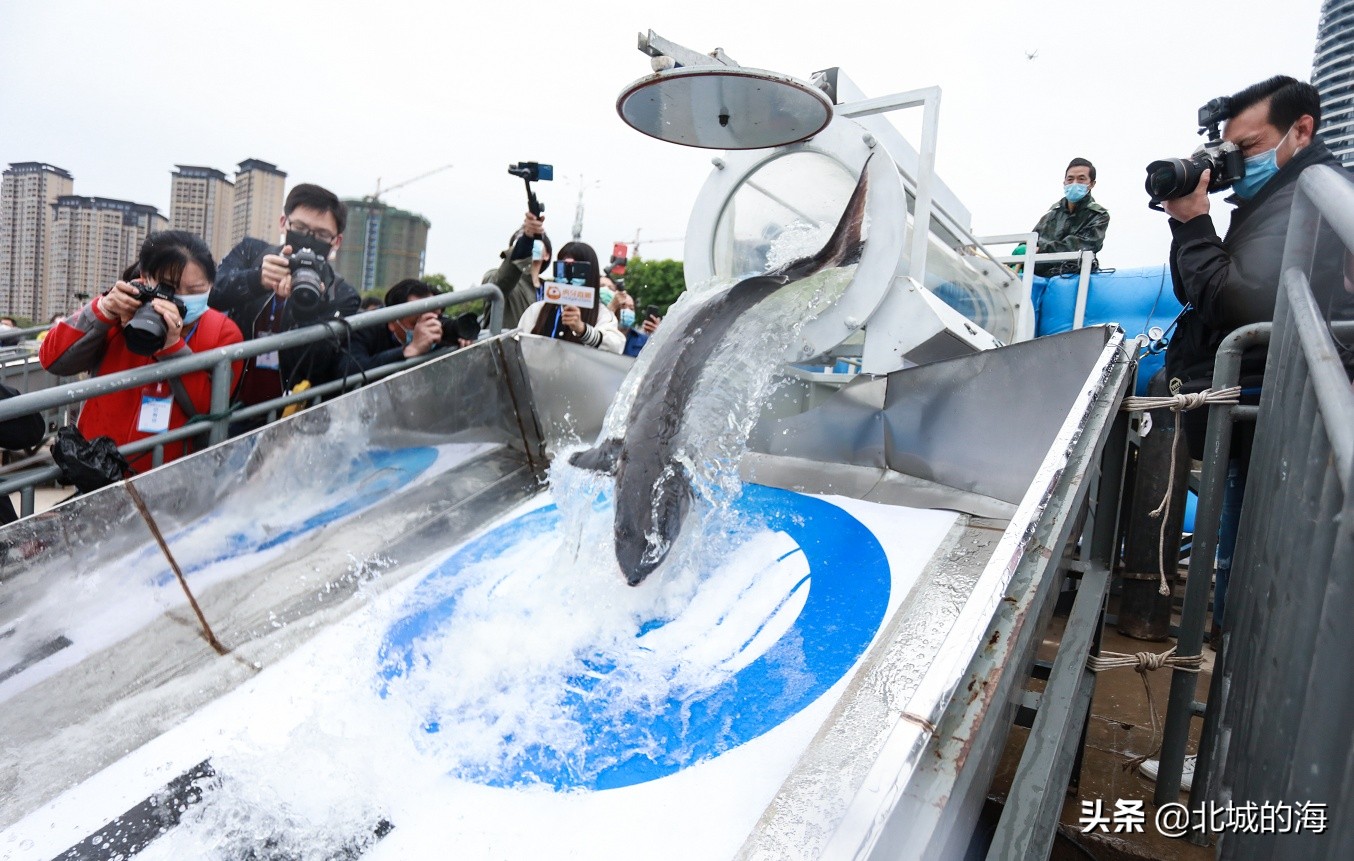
x: 292, y: 531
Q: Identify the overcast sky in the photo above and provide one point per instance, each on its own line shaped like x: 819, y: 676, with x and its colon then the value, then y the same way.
x: 343, y: 93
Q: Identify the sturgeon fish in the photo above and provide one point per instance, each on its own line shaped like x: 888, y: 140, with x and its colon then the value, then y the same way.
x: 653, y: 491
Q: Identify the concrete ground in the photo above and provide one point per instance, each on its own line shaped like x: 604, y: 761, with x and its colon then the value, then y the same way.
x: 1120, y: 728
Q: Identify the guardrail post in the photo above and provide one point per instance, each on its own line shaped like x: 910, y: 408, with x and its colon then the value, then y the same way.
x: 220, y: 407
x: 1193, y: 615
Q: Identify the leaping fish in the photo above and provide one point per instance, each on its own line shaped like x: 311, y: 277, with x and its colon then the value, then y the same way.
x: 653, y: 492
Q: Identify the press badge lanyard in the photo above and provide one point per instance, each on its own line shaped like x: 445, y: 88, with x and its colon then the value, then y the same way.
x: 269, y: 360
x: 155, y: 410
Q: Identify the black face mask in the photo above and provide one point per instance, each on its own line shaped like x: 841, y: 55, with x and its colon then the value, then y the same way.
x: 297, y: 241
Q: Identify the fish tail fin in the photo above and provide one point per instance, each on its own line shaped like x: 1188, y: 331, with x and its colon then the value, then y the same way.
x: 844, y: 246
x: 602, y: 457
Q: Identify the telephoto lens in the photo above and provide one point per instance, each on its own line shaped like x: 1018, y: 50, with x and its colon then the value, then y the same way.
x: 465, y: 327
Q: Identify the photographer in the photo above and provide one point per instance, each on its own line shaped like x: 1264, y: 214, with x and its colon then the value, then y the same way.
x: 408, y: 337
x: 160, y: 316
x: 276, y: 288
x: 591, y: 327
x: 1231, y: 282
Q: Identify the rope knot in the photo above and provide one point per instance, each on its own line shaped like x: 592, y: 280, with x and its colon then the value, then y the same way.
x: 1189, y: 400
x: 1142, y: 663
x: 1150, y: 661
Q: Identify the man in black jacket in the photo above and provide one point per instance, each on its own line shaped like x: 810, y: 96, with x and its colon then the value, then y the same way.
x: 406, y: 337
x: 1231, y: 282
x: 254, y: 286
x: 1228, y: 283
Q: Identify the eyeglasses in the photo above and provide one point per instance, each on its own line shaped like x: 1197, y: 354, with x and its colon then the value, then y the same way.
x: 307, y: 230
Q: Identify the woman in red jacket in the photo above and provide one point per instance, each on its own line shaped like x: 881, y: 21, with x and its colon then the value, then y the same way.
x: 94, y: 339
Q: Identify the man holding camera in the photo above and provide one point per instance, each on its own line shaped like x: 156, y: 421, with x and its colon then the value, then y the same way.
x: 1225, y: 283
x: 276, y: 288
x: 1230, y: 282
x: 1075, y: 223
x: 408, y: 337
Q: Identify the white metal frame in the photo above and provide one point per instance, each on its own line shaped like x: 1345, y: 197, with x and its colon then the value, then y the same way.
x: 1029, y: 259
x: 903, y: 313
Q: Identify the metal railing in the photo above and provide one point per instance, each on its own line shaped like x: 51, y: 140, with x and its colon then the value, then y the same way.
x: 1194, y: 612
x: 1030, y: 258
x: 215, y: 424
x: 1283, y: 710
x: 1281, y: 704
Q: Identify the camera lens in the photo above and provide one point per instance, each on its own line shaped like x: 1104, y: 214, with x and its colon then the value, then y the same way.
x: 307, y: 289
x: 146, y: 332
x: 1170, y: 178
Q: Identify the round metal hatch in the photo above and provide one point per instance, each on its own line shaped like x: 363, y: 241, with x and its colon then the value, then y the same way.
x: 729, y: 108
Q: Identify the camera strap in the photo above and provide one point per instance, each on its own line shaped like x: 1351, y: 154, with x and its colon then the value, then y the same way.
x: 181, y: 398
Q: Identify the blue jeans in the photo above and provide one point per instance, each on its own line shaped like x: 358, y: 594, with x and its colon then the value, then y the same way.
x: 1229, y: 520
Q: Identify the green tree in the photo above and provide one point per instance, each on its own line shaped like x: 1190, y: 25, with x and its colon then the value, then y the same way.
x: 654, y: 282
x: 442, y: 285
x: 438, y: 280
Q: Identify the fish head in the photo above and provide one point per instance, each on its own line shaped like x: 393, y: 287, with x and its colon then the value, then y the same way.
x: 647, y: 523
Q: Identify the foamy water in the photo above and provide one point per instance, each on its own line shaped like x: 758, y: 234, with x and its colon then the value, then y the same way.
x: 310, y: 756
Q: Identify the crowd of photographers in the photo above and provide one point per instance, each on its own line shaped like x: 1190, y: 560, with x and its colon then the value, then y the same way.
x: 175, y: 301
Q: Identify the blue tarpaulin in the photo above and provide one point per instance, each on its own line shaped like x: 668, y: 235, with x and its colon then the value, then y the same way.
x: 1136, y: 299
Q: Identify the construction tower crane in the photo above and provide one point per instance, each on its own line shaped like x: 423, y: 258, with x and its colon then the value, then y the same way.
x: 635, y: 243
x: 375, y: 197
x: 370, y: 253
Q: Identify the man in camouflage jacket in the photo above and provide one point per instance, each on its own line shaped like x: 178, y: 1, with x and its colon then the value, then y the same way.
x: 1075, y: 223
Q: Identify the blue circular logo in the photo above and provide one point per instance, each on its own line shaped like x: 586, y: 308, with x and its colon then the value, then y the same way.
x: 624, y: 744
x: 366, y: 480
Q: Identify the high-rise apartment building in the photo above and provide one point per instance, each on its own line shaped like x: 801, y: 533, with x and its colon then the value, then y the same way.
x: 258, y: 200
x: 381, y: 245
x: 202, y: 201
x: 93, y: 240
x: 28, y: 190
x: 1333, y: 75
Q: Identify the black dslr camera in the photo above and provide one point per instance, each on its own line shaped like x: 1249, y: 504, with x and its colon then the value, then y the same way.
x: 1170, y: 178
x: 464, y: 327
x: 311, y: 277
x: 145, y: 333
x: 531, y: 171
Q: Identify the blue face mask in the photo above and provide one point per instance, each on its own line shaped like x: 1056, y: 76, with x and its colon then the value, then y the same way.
x: 1259, y: 170
x: 1075, y: 191
x: 627, y: 317
x: 196, y: 305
